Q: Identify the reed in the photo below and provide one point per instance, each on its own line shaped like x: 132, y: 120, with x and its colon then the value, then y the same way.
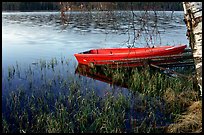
x: 52, y: 101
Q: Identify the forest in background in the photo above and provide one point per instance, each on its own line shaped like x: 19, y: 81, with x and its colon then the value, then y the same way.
x: 55, y: 6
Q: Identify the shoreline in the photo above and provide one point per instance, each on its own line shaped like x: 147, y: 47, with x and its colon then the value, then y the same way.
x: 86, y: 10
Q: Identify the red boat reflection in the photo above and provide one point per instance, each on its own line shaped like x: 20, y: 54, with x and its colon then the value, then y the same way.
x: 99, y: 73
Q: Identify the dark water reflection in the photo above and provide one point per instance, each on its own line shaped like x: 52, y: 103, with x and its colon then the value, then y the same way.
x: 55, y: 77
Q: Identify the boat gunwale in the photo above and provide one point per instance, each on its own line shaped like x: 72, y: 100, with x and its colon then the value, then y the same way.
x: 119, y: 53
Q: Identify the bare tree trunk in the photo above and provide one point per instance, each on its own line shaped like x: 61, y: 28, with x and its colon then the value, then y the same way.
x: 193, y: 20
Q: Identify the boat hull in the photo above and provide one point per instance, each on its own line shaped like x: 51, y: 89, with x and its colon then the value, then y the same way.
x: 110, y: 55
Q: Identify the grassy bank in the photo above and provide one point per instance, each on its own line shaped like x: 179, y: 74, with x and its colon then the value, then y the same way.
x: 46, y: 97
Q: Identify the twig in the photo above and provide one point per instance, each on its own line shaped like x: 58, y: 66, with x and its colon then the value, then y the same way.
x: 171, y: 71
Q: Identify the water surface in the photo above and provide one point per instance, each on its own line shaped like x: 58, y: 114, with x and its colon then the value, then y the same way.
x: 30, y: 36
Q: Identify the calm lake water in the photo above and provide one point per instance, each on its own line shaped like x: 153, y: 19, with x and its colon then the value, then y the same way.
x: 28, y: 37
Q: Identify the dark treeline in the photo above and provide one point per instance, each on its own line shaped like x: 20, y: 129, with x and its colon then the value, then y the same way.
x: 29, y: 6
x: 50, y: 6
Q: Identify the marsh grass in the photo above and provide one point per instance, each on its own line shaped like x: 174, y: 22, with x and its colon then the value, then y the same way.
x: 51, y: 100
x: 188, y: 122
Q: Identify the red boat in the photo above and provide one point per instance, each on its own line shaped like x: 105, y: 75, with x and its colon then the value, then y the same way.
x: 110, y: 55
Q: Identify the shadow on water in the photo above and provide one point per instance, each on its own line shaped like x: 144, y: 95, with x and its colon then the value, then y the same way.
x: 134, y: 95
x: 46, y: 83
x: 147, y: 104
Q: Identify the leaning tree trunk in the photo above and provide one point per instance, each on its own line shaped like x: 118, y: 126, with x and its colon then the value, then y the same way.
x: 193, y: 20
